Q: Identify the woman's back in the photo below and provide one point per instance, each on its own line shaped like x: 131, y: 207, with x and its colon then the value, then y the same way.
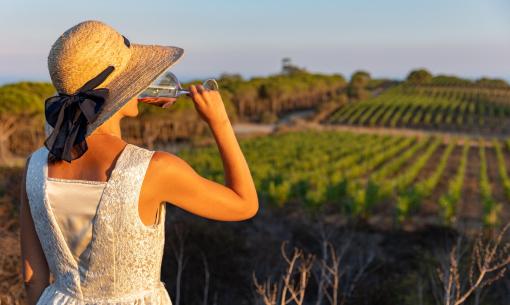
x: 74, y: 204
x: 96, y: 166
x: 124, y: 261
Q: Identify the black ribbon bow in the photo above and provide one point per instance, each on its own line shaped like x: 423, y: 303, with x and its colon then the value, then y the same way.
x: 69, y: 115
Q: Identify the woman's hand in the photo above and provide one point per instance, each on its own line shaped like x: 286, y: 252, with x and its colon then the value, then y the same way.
x: 163, y: 102
x: 208, y: 104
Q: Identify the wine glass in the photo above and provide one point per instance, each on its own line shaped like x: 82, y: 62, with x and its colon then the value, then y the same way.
x: 167, y: 85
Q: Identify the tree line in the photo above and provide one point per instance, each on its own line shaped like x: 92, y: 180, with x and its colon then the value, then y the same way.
x: 260, y: 99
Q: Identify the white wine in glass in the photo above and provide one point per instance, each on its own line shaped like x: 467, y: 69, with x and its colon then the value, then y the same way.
x: 167, y: 85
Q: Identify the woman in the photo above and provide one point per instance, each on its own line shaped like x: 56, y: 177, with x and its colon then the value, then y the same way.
x: 92, y: 208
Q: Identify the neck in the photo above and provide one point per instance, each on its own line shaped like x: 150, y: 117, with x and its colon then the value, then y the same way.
x: 111, y: 128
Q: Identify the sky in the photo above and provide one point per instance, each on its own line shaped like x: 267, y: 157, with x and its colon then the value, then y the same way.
x: 468, y: 38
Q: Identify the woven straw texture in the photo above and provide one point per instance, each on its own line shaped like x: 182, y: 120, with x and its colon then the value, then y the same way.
x: 86, y: 49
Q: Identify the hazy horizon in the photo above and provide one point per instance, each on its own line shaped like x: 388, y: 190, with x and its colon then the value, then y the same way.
x: 469, y: 38
x: 184, y: 78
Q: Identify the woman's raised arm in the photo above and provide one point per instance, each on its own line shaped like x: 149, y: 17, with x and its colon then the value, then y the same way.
x: 182, y: 186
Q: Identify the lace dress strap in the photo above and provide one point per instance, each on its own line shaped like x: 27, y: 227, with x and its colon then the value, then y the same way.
x: 58, y: 256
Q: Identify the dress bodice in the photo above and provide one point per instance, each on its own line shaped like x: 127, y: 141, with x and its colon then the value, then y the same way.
x: 123, y: 262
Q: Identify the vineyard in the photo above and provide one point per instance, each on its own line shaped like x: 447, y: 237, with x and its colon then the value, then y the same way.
x: 372, y: 176
x: 390, y: 199
x: 451, y: 108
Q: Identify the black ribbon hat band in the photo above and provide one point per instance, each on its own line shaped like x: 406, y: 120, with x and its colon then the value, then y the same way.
x: 126, y: 41
x: 69, y: 115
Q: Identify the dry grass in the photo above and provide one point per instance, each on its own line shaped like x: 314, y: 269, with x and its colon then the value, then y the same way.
x: 11, y: 289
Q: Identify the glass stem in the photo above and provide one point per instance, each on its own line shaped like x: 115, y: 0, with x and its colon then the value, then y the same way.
x: 182, y: 92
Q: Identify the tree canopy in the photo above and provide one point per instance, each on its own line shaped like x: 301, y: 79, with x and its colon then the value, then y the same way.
x: 24, y: 97
x: 419, y: 77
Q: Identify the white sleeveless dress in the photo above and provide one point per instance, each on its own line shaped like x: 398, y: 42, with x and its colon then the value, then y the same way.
x: 122, y: 262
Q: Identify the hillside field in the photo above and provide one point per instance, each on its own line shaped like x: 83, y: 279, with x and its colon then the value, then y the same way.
x: 465, y: 108
x: 396, y: 178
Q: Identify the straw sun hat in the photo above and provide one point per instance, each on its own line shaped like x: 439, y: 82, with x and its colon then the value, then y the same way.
x: 96, y: 71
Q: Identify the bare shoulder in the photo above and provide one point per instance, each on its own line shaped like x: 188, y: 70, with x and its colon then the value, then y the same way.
x: 163, y: 160
x: 159, y: 160
x: 165, y: 165
x: 163, y: 156
x: 160, y: 155
x: 165, y: 173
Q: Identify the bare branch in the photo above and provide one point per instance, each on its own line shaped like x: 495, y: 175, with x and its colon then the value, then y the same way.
x: 489, y: 261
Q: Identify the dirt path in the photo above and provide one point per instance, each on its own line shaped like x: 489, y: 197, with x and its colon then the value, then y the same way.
x: 245, y: 128
x: 498, y: 192
x: 431, y: 164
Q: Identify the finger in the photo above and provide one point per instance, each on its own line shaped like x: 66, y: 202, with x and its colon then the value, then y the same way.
x: 190, y: 91
x: 193, y: 90
x: 204, y: 92
x: 195, y: 95
x: 214, y: 92
x: 201, y: 89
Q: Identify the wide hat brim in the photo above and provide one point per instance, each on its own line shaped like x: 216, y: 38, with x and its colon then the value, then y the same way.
x: 146, y: 63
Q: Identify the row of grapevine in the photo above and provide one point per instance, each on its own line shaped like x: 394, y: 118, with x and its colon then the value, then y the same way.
x: 502, y: 167
x: 491, y: 208
x: 448, y: 201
